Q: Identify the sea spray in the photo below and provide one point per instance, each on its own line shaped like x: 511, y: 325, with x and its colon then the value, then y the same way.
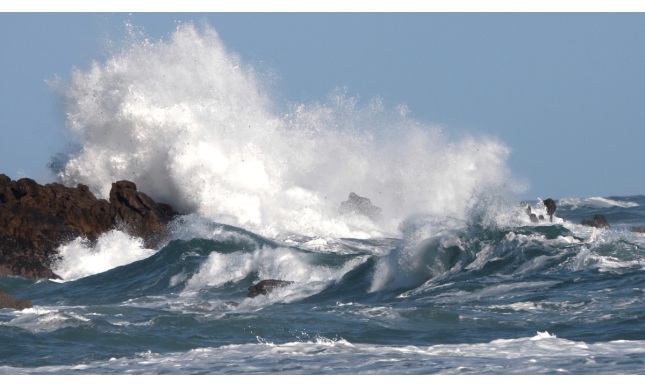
x: 189, y: 123
x: 80, y: 258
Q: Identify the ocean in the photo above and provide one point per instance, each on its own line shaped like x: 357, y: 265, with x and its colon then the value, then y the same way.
x: 450, y: 277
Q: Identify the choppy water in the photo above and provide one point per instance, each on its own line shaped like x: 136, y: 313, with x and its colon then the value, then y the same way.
x: 476, y: 300
x: 452, y: 279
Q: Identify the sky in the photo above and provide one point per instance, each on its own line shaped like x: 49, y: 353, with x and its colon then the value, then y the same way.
x: 564, y: 91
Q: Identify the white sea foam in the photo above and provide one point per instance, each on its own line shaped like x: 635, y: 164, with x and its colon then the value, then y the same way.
x: 114, y: 248
x: 193, y: 126
x: 37, y: 320
x: 280, y: 264
x: 595, y: 202
x: 586, y: 259
x: 497, y: 292
x: 542, y: 353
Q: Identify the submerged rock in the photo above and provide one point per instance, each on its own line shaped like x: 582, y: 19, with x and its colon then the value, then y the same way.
x: 638, y: 229
x: 598, y: 221
x: 550, y: 207
x: 360, y: 205
x: 8, y: 302
x: 232, y: 303
x: 266, y: 286
x: 35, y: 220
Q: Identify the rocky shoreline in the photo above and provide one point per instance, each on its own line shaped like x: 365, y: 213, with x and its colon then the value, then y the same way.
x: 35, y: 220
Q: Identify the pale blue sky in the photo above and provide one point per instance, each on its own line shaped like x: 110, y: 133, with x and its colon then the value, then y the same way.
x: 565, y: 92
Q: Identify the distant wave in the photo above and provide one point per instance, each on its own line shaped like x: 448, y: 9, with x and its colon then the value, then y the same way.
x: 596, y: 202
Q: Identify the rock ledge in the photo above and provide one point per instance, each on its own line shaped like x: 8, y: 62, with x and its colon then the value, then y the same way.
x: 36, y: 219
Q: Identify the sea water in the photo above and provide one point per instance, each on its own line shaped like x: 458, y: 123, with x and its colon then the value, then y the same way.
x: 453, y: 278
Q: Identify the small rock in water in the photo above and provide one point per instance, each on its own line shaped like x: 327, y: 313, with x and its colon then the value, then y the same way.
x: 265, y: 287
x: 638, y: 229
x: 598, y: 221
x: 528, y: 210
x: 534, y: 218
x: 360, y: 205
x: 6, y: 301
x: 550, y: 207
x: 541, y: 217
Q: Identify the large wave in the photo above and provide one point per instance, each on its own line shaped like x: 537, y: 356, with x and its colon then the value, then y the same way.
x: 193, y: 126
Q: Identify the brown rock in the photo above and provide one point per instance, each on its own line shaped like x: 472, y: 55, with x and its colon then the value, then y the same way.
x: 534, y: 218
x: 598, y: 221
x: 541, y: 217
x: 6, y: 301
x: 638, y: 229
x: 265, y: 287
x: 35, y: 220
x: 550, y: 207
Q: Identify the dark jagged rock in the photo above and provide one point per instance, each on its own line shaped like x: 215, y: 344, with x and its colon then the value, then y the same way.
x: 598, y: 221
x: 550, y: 207
x: 139, y: 215
x: 35, y: 220
x: 8, y: 302
x: 360, y: 205
x: 528, y: 210
x: 266, y: 286
x: 534, y: 218
x: 638, y: 229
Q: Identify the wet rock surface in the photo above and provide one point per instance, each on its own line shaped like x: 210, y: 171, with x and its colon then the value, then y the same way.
x: 638, y: 229
x: 598, y: 221
x: 266, y: 286
x: 550, y: 207
x: 35, y: 220
x: 8, y: 302
x: 360, y: 205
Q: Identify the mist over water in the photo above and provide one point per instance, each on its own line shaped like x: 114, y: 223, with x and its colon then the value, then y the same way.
x: 191, y: 125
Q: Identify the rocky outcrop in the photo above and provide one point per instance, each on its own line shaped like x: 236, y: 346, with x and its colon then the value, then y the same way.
x: 35, y: 220
x: 6, y: 301
x: 266, y: 286
x: 638, y: 229
x: 550, y: 207
x: 360, y: 205
x: 598, y: 221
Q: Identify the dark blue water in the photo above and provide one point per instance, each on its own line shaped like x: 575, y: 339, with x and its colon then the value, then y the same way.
x: 464, y: 298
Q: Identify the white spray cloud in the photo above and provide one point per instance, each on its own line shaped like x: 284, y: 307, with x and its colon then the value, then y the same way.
x: 114, y: 248
x: 191, y: 126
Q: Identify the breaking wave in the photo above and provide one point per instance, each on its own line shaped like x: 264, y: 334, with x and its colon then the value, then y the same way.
x: 192, y: 125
